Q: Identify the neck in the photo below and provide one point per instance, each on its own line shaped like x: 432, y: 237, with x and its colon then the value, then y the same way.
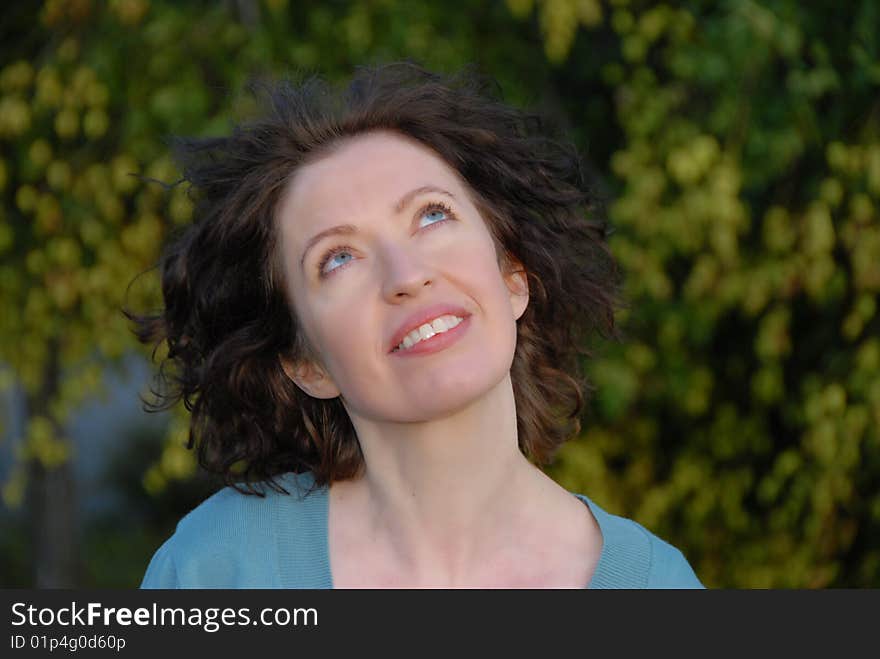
x: 442, y: 495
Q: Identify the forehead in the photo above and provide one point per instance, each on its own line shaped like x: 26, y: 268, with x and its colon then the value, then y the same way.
x: 374, y: 168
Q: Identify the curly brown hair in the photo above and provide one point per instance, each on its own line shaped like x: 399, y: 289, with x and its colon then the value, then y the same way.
x: 227, y: 320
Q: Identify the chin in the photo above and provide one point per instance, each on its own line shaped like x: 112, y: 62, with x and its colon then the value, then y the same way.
x: 450, y: 393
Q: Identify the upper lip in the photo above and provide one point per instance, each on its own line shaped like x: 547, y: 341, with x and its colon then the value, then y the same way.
x: 422, y: 316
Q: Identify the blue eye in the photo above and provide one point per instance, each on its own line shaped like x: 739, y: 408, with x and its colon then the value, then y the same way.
x: 331, y: 256
x: 342, y: 251
x: 435, y: 214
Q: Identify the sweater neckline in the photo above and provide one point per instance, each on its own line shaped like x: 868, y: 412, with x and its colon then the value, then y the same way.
x: 310, y: 541
x: 599, y: 515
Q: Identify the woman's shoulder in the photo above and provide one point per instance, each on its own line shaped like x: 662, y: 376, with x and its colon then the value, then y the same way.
x: 238, y: 509
x: 213, y: 546
x: 634, y: 557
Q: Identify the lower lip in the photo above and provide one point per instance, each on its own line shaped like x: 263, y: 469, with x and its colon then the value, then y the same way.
x: 437, y: 342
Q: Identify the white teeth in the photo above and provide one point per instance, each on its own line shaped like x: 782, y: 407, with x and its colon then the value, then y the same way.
x: 426, y: 331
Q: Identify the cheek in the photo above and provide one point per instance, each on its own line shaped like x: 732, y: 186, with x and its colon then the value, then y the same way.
x: 349, y: 343
x: 341, y: 343
x: 479, y: 264
x: 324, y: 327
x: 470, y: 252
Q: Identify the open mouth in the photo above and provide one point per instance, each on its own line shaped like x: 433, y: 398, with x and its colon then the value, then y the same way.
x: 426, y: 331
x: 437, y: 335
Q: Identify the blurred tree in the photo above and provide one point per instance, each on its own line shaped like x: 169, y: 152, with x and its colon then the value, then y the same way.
x: 741, y: 418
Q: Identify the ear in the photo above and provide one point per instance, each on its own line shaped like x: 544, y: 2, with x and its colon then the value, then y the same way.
x: 311, y: 378
x: 518, y: 284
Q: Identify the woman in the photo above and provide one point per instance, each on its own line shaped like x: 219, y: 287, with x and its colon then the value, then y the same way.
x: 376, y: 320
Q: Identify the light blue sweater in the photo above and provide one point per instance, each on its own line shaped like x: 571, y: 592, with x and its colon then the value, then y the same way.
x: 233, y: 540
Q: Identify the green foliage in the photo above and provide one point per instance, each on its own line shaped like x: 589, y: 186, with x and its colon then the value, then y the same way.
x: 741, y: 418
x: 741, y: 142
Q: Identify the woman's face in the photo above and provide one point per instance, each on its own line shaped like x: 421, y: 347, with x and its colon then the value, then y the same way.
x: 415, y: 249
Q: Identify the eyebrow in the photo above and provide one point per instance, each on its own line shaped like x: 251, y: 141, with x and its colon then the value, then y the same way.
x: 348, y: 229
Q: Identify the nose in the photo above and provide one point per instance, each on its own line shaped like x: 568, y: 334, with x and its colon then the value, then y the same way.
x: 405, y: 272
